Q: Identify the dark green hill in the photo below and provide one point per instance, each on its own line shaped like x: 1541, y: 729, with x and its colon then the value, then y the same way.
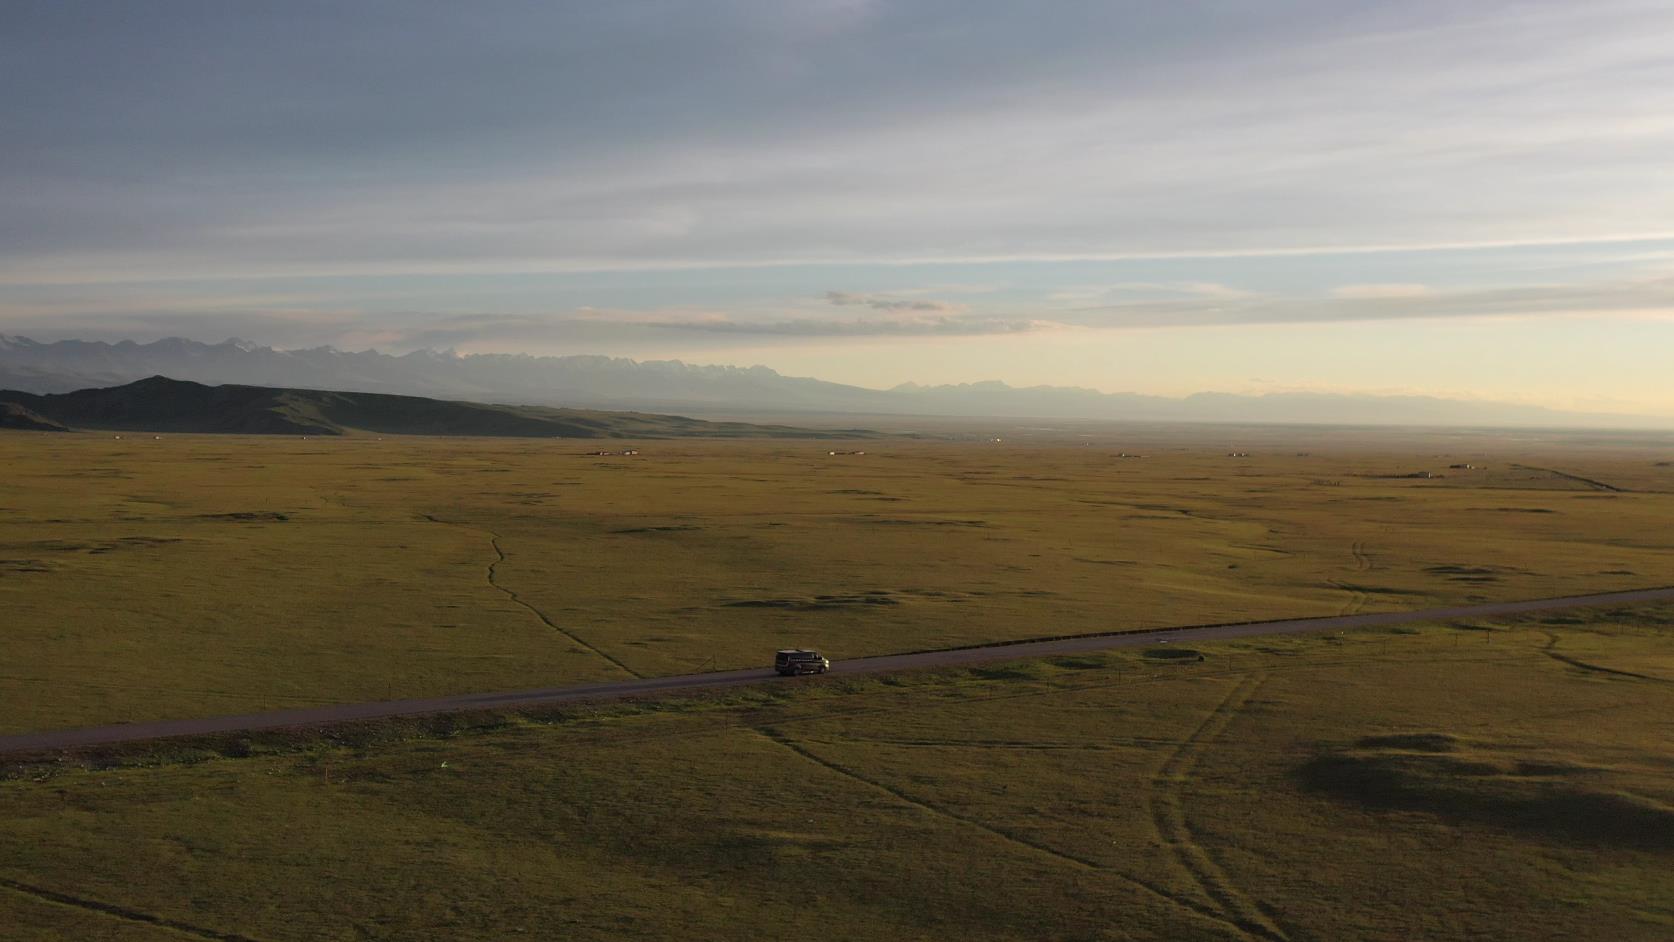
x: 160, y: 404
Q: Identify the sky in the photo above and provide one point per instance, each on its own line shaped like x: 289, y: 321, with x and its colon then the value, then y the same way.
x: 1461, y: 199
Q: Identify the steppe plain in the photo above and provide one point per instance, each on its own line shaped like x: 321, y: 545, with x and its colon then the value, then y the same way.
x: 1508, y: 779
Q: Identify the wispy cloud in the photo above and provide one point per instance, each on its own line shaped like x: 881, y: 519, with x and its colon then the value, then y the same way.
x: 1391, y: 302
x: 1380, y: 291
x: 845, y: 299
x: 860, y: 327
x: 1127, y: 290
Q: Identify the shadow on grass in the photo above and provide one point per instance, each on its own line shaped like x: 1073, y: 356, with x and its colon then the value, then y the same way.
x: 1435, y: 773
x: 1173, y: 654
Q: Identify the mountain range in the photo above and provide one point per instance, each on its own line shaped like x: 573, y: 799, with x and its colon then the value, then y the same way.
x: 160, y: 404
x: 600, y: 382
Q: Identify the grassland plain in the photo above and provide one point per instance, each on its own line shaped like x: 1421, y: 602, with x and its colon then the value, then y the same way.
x: 1506, y: 780
x: 145, y: 578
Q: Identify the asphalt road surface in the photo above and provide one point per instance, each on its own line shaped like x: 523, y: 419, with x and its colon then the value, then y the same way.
x: 57, y: 740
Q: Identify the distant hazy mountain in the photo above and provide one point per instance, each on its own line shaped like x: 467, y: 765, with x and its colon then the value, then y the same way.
x: 573, y: 380
x: 614, y: 383
x: 169, y: 405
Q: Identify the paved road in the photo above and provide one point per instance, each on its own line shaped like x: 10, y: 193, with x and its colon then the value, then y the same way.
x: 56, y: 740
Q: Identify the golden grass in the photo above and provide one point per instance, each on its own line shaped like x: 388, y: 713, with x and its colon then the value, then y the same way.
x: 1494, y: 790
x: 146, y: 578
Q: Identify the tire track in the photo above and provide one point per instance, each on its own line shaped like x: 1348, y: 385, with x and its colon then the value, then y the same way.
x: 1036, y: 847
x: 121, y: 912
x: 1357, y: 599
x: 837, y: 709
x: 494, y: 583
x: 1362, y: 561
x: 1550, y: 650
x: 1168, y: 813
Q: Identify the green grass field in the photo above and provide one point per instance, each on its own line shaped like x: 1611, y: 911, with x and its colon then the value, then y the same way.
x: 146, y: 578
x: 1446, y: 782
x: 1440, y: 782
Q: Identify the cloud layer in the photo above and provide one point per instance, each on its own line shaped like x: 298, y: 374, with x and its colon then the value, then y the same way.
x: 193, y: 139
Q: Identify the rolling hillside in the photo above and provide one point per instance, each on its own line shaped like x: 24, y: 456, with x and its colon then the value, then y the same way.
x: 16, y: 416
x: 160, y: 404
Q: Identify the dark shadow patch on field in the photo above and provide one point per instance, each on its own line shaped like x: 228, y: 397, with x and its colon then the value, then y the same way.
x: 100, y: 547
x: 818, y: 603
x: 926, y: 522
x: 1009, y: 672
x: 1263, y: 548
x: 530, y: 498
x: 249, y: 516
x: 671, y: 528
x: 1661, y: 616
x: 1370, y: 589
x: 1174, y: 654
x: 1462, y: 783
x: 1078, y: 663
x: 1459, y: 572
x: 114, y: 474
x: 8, y: 566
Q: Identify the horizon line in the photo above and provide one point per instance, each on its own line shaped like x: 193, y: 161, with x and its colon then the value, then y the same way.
x: 1463, y: 399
